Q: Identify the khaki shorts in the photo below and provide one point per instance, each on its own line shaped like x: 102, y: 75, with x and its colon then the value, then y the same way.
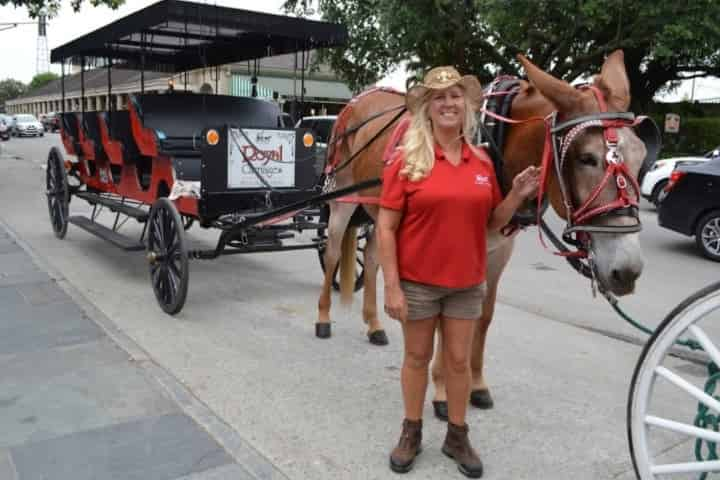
x: 426, y: 301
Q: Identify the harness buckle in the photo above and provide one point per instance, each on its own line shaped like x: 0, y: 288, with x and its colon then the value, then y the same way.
x: 613, y: 156
x: 621, y: 182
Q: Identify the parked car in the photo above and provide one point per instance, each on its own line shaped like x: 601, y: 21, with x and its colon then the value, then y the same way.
x: 50, y: 122
x: 659, y: 174
x: 4, y: 127
x: 322, y: 127
x: 26, y: 124
x: 692, y: 205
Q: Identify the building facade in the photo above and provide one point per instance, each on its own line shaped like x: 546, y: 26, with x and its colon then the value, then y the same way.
x: 281, y: 79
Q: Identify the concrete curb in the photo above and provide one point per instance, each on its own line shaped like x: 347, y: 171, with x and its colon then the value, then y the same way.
x: 255, y: 463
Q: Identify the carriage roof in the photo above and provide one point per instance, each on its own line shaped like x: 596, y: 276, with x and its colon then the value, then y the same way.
x: 176, y: 35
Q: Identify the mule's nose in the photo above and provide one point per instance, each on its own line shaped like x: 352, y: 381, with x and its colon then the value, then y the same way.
x: 625, y: 277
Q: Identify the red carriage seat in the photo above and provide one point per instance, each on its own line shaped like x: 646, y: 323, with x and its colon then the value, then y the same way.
x: 179, y: 119
x: 70, y: 132
x: 91, y: 129
x: 117, y: 125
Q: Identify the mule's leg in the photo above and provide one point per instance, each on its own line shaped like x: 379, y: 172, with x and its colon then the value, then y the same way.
x: 340, y: 214
x: 497, y: 259
x: 375, y: 332
x: 438, y: 377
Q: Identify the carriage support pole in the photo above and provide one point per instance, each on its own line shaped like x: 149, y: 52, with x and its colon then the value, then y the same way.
x: 62, y: 84
x: 109, y: 97
x: 82, y: 88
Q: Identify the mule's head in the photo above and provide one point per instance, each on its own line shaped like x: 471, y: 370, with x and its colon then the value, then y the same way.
x: 584, y: 185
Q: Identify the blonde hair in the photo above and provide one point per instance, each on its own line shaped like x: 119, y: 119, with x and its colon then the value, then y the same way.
x: 419, y: 144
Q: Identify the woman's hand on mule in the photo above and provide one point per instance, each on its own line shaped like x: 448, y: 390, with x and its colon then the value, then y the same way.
x: 395, y: 303
x: 526, y: 183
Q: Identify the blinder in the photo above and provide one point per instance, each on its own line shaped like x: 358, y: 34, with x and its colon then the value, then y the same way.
x: 648, y: 131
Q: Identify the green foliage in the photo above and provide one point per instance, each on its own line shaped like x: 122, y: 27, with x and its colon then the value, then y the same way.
x: 696, y: 137
x: 51, y: 7
x: 10, y: 89
x: 41, y: 79
x: 664, y: 40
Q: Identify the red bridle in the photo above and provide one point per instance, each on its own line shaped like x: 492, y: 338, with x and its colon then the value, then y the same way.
x: 558, y: 140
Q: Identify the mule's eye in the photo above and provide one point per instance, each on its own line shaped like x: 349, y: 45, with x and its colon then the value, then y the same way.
x: 588, y: 159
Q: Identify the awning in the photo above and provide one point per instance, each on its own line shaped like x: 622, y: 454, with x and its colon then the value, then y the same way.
x: 177, y: 35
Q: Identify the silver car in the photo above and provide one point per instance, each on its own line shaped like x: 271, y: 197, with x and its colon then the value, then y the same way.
x: 25, y: 124
x: 4, y: 127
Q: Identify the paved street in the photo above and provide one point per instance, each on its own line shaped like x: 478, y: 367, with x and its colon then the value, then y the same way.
x: 241, y: 360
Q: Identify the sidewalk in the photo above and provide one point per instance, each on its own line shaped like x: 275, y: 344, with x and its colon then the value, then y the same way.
x: 75, y: 405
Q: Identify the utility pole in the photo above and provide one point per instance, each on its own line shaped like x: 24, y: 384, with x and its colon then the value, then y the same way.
x: 42, y: 59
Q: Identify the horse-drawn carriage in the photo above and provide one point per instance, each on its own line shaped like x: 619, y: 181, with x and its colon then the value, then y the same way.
x: 174, y: 158
x: 177, y: 158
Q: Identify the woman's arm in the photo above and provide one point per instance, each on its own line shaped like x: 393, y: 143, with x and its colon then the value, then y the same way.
x: 525, y: 185
x: 386, y: 230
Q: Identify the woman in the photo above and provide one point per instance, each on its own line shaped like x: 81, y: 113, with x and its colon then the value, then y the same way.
x: 440, y: 198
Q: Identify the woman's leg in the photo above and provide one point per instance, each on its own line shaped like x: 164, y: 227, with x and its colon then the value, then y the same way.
x: 418, y: 338
x: 457, y: 338
x: 457, y: 335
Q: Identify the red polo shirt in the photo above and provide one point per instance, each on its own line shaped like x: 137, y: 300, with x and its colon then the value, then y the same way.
x: 441, y: 239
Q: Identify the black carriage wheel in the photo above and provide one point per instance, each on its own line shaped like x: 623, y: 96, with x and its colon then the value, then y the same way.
x: 58, y: 192
x: 359, y: 273
x: 168, y: 257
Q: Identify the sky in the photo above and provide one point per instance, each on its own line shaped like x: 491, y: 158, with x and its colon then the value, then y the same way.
x: 18, y: 45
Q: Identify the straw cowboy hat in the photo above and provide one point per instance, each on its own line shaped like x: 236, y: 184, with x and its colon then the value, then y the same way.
x: 440, y: 78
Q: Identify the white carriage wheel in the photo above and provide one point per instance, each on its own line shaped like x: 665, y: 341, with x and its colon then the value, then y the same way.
x: 680, y: 323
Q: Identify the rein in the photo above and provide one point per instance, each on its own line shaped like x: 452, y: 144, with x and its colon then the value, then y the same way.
x: 331, y: 170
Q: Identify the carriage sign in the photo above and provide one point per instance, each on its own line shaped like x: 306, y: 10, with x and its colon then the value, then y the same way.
x: 268, y: 153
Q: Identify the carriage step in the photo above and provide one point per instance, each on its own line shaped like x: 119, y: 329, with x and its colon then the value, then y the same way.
x: 117, y: 239
x: 115, y: 206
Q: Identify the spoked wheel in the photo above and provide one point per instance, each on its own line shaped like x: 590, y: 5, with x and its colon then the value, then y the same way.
x: 168, y: 256
x: 360, y: 265
x: 58, y: 192
x: 673, y: 411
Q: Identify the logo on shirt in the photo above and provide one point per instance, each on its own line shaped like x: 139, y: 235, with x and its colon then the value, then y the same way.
x: 482, y: 180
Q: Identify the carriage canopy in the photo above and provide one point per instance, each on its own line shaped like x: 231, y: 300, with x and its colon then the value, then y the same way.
x: 175, y: 36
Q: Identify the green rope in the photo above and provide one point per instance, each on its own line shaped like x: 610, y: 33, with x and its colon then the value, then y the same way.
x: 691, y: 344
x: 705, y: 419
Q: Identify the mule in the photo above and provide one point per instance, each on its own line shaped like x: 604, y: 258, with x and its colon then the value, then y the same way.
x: 591, y: 181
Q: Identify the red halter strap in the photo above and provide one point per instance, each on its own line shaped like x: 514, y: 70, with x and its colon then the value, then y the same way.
x: 616, y: 167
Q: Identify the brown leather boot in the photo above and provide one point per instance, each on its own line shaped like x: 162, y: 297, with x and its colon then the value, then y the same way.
x: 403, y: 456
x: 457, y: 446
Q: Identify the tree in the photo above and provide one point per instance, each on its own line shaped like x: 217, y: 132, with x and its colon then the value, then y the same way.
x: 10, y: 89
x: 41, y: 79
x: 35, y: 7
x: 664, y: 41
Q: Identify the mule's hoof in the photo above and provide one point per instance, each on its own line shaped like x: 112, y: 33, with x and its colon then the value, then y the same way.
x: 441, y: 410
x: 322, y: 330
x: 481, y: 399
x: 378, y: 337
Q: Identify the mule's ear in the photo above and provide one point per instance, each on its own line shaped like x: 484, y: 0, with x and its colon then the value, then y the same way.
x: 613, y: 81
x: 559, y: 92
